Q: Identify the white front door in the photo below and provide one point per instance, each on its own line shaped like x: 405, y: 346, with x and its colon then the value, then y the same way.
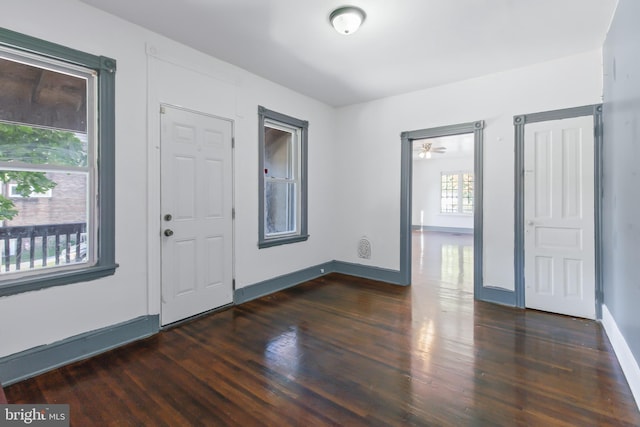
x: 559, y: 217
x: 196, y: 206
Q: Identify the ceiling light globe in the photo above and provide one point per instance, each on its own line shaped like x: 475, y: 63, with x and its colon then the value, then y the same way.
x: 347, y: 20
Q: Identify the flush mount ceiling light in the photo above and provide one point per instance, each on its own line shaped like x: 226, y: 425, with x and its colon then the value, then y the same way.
x: 346, y: 20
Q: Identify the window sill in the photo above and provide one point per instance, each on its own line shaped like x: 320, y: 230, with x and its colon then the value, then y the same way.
x: 34, y: 283
x: 282, y: 241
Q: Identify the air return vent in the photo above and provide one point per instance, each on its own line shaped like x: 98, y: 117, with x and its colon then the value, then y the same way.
x: 364, y: 248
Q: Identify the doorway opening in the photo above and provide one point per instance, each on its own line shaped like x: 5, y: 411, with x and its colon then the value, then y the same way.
x: 443, y: 182
x: 449, y: 196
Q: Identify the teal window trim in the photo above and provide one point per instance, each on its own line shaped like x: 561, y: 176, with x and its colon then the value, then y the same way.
x: 302, y: 234
x: 105, y: 69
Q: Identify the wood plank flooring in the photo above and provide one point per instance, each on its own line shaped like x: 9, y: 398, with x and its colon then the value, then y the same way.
x: 344, y: 351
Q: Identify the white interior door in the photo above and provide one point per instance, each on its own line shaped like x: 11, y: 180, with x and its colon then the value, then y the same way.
x: 196, y: 203
x: 559, y: 217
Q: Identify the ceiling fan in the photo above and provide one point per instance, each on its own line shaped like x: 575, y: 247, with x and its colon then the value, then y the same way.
x: 427, y: 148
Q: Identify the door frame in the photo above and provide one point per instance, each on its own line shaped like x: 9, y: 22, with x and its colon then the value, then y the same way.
x: 406, y: 185
x: 519, y: 123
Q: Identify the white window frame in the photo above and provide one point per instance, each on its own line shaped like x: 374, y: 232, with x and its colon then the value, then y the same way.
x: 15, y: 195
x: 460, y: 177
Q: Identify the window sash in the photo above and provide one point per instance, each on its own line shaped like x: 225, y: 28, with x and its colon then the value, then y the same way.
x: 290, y: 204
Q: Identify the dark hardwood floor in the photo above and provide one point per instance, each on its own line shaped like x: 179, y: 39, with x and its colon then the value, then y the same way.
x: 353, y: 352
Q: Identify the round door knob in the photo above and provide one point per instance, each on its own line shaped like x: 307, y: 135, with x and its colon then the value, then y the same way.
x: 168, y: 232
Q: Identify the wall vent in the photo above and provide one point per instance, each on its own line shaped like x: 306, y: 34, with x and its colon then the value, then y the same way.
x: 364, y: 248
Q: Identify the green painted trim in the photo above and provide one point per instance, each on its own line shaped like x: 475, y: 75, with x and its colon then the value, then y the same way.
x: 35, y: 361
x: 105, y: 103
x: 454, y: 230
x: 519, y: 123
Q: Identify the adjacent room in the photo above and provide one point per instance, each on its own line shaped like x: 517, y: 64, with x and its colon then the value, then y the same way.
x: 290, y: 213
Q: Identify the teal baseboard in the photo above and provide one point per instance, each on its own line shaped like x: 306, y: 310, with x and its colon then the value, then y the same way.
x: 496, y: 295
x: 454, y: 230
x: 37, y: 360
x: 280, y: 283
x: 367, y: 272
x: 285, y: 281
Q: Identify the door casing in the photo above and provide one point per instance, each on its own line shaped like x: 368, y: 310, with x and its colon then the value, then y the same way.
x: 519, y: 123
x: 406, y: 178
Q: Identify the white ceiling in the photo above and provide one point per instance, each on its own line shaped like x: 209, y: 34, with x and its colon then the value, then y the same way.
x: 403, y: 45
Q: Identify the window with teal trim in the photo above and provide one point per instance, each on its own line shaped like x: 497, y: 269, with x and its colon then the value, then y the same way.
x: 283, y: 179
x: 56, y: 164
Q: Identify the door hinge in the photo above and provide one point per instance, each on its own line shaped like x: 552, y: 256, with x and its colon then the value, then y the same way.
x: 162, y: 109
x: 233, y: 213
x: 233, y: 283
x: 233, y: 142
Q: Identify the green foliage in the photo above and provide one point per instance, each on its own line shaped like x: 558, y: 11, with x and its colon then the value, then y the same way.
x: 28, y: 145
x: 7, y: 208
x: 40, y: 146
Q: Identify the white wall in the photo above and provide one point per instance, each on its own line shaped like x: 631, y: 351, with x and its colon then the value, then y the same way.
x: 427, y: 189
x: 370, y: 185
x: 148, y: 73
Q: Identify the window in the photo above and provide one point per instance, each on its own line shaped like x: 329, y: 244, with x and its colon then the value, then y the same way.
x: 456, y: 192
x: 283, y: 179
x: 14, y: 192
x: 56, y: 127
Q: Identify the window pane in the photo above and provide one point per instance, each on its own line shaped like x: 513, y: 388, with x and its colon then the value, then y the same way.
x: 467, y: 193
x: 39, y: 232
x: 278, y: 153
x: 40, y: 96
x: 449, y: 193
x: 38, y: 146
x: 280, y: 203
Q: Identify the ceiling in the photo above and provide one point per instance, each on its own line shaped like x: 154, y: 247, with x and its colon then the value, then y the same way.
x: 403, y: 45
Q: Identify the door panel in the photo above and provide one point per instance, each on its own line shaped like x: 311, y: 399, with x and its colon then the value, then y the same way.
x: 196, y: 183
x: 559, y: 217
